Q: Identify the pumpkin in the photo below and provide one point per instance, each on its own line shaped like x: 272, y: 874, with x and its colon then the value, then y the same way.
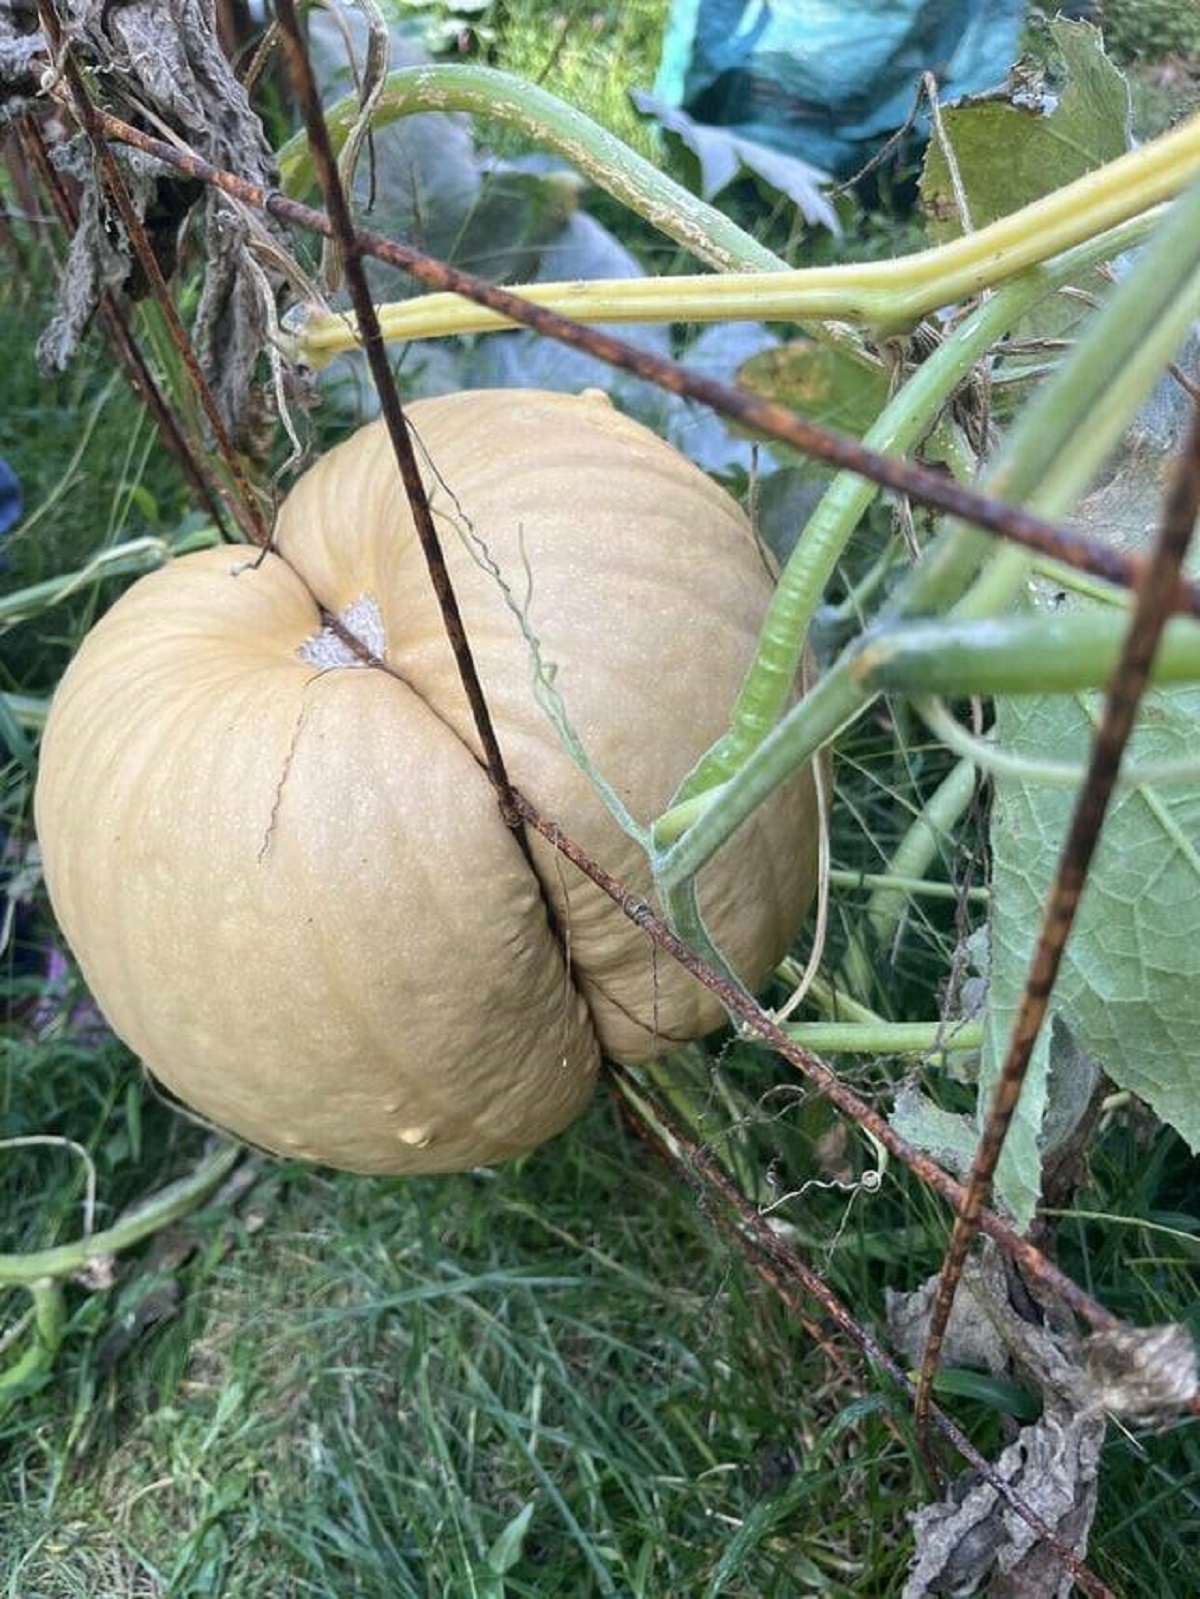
x: 284, y: 872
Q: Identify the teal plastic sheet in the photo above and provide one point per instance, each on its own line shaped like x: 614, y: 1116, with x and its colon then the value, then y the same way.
x: 829, y: 82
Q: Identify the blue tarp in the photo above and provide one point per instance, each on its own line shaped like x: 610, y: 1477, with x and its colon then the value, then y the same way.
x: 828, y: 82
x: 10, y: 498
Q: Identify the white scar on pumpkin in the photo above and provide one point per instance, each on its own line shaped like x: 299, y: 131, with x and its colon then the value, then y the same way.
x: 364, y: 620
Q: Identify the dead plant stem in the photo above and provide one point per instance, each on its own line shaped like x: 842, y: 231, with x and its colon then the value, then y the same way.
x: 137, y: 370
x: 242, y: 501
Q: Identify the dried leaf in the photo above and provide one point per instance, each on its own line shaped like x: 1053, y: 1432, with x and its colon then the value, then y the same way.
x: 22, y: 54
x: 100, y: 255
x: 972, y: 1339
x: 974, y: 1542
x: 1144, y: 1374
x: 164, y: 56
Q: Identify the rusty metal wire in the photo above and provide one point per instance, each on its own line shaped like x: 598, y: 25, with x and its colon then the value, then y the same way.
x: 759, y: 1024
x: 782, y: 1266
x: 1151, y: 610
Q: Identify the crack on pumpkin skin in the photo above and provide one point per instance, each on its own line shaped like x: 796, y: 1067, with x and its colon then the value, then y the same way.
x: 653, y: 1032
x: 340, y: 626
x: 287, y: 765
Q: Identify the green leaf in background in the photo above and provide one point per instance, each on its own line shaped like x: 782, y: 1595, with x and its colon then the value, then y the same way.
x: 821, y: 382
x: 1011, y: 153
x: 1129, y: 992
x: 722, y: 156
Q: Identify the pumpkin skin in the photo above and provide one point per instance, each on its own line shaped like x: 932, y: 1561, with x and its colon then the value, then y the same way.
x: 284, y: 873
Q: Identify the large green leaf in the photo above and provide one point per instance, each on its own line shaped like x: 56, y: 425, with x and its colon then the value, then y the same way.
x: 1129, y: 991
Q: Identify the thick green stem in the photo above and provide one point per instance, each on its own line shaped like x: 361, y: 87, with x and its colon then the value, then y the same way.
x: 899, y: 428
x: 700, y: 229
x: 158, y: 1212
x: 1015, y: 655
x: 49, y: 1319
x: 1151, y: 309
x: 887, y: 1038
x: 914, y: 887
x: 888, y: 296
x: 832, y: 705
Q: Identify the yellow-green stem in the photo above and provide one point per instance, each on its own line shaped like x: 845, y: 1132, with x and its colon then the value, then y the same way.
x: 168, y: 1205
x: 886, y: 295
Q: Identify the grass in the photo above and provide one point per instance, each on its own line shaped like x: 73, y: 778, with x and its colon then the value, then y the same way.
x: 558, y: 1378
x: 334, y: 1385
x: 367, y: 1382
x: 558, y: 45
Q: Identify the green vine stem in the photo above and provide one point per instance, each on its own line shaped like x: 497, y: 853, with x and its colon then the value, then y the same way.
x: 854, y: 1029
x: 914, y: 887
x: 888, y: 296
x: 990, y: 757
x: 831, y: 999
x: 887, y: 1038
x: 130, y: 559
x: 159, y: 1211
x: 1015, y: 655
x: 1140, y: 326
x: 928, y: 835
x: 700, y: 229
x: 903, y: 423
x: 42, y: 1344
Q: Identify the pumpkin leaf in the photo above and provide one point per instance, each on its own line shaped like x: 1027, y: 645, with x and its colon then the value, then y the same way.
x: 1128, y: 994
x: 1009, y: 153
x: 1129, y: 990
x: 821, y: 382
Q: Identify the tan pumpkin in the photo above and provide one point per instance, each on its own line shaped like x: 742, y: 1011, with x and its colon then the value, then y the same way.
x: 284, y: 873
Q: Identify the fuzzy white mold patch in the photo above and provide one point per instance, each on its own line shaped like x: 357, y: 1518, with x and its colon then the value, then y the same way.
x: 364, y: 620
